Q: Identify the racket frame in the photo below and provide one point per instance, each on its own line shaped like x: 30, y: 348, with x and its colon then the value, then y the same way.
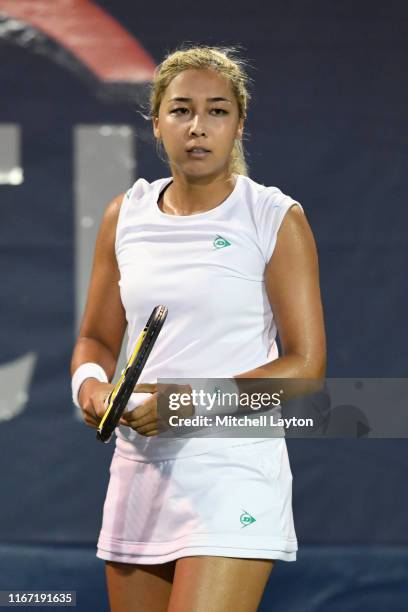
x: 119, y: 396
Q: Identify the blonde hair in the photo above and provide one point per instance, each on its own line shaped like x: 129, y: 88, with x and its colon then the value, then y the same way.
x: 222, y: 59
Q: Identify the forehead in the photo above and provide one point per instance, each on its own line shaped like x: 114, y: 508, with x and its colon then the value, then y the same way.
x: 195, y: 83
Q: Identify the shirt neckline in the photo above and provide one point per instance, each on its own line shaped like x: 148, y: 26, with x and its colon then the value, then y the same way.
x: 162, y: 183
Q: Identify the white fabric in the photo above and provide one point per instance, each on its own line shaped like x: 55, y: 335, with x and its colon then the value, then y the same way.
x: 86, y: 370
x: 234, y: 502
x: 208, y: 269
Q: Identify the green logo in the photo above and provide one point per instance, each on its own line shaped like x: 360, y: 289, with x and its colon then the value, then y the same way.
x: 246, y: 519
x: 220, y: 242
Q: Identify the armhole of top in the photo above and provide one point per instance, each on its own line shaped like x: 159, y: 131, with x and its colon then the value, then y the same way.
x: 120, y: 217
x: 135, y: 192
x: 271, y: 218
x: 283, y: 210
x: 298, y: 203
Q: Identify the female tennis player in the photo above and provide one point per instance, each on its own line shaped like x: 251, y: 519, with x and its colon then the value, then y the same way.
x: 193, y: 524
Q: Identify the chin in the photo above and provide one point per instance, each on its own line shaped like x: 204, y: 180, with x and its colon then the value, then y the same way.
x: 200, y: 171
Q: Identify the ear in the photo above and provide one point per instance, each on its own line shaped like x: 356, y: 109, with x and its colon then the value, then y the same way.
x: 240, y: 128
x: 156, y: 129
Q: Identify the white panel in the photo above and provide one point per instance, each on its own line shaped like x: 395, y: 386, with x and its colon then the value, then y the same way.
x: 104, y: 166
x: 11, y: 172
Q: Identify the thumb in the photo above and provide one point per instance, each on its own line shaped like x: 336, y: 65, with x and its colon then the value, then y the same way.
x: 145, y: 388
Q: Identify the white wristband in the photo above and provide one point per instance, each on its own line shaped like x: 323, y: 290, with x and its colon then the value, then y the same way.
x: 86, y: 370
x: 218, y: 396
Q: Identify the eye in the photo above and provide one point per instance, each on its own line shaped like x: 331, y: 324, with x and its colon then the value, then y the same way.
x: 176, y: 110
x: 219, y: 111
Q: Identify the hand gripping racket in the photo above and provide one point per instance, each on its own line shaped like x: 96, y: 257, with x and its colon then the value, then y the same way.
x: 120, y: 394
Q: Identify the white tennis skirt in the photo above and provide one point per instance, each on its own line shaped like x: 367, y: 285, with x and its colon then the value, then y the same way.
x: 233, y: 502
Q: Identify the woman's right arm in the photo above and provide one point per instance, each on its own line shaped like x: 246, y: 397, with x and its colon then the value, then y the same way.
x: 104, y: 322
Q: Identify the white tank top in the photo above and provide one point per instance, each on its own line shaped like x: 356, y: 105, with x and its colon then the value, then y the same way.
x: 208, y: 269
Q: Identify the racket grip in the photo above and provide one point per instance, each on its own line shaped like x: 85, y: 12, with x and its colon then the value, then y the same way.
x: 136, y: 400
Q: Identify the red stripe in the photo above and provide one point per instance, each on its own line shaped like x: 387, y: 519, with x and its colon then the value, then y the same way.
x: 88, y: 32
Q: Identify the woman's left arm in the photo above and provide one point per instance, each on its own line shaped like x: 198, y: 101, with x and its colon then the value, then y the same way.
x: 293, y: 288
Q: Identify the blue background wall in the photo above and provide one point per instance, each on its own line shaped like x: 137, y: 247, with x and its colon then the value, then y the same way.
x: 328, y: 125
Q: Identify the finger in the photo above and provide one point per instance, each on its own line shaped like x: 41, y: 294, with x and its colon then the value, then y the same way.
x: 145, y: 388
x: 146, y: 423
x: 91, y: 422
x: 147, y: 416
x: 99, y: 413
x: 143, y: 429
x: 125, y: 421
x: 88, y: 414
x: 135, y: 413
x: 139, y: 412
x: 147, y: 431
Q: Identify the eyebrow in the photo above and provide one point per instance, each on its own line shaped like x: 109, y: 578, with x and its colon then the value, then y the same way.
x: 216, y: 99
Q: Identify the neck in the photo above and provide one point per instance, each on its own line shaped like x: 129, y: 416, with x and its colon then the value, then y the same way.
x: 188, y: 196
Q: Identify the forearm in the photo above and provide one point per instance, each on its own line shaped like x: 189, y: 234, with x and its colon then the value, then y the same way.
x: 302, y: 376
x: 91, y: 350
x: 290, y: 376
x: 292, y: 365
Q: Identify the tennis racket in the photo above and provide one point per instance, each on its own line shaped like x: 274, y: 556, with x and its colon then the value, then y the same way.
x: 119, y: 396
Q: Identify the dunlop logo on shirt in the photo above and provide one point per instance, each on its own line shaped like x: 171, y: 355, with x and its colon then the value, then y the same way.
x: 220, y: 242
x: 246, y: 519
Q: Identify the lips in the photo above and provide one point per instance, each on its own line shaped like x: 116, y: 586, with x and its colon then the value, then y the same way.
x: 197, y: 150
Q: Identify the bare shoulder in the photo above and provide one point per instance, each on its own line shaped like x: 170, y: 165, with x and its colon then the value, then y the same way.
x: 295, y: 216
x: 113, y: 208
x: 295, y: 236
x: 107, y: 229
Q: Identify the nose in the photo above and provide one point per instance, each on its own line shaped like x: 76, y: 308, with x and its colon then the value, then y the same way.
x: 197, y: 127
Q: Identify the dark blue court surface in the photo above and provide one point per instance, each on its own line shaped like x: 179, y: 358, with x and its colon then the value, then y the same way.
x: 323, y: 579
